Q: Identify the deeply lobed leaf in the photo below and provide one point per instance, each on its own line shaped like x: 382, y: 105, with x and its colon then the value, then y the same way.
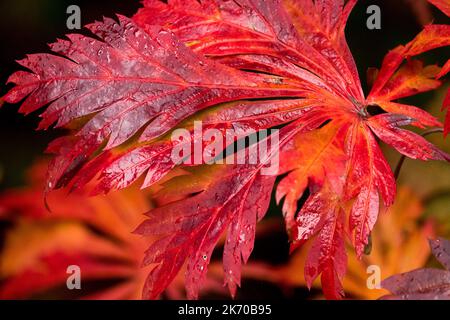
x: 244, y: 65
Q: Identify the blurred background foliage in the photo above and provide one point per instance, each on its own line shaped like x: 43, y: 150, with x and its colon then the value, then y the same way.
x: 422, y: 209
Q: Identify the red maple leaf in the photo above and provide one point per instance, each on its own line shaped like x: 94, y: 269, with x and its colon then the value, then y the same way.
x: 444, y: 5
x: 243, y: 64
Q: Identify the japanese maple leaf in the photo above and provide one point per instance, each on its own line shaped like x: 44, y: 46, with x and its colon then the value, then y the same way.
x: 396, y: 231
x: 246, y: 65
x: 424, y: 284
x: 444, y: 5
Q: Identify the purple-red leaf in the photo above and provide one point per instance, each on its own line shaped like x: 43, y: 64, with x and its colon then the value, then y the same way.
x: 424, y: 284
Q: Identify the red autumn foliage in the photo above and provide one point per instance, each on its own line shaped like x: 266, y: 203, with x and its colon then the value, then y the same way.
x: 245, y: 64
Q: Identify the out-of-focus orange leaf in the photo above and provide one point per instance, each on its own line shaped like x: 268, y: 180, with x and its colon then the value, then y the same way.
x: 93, y: 233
